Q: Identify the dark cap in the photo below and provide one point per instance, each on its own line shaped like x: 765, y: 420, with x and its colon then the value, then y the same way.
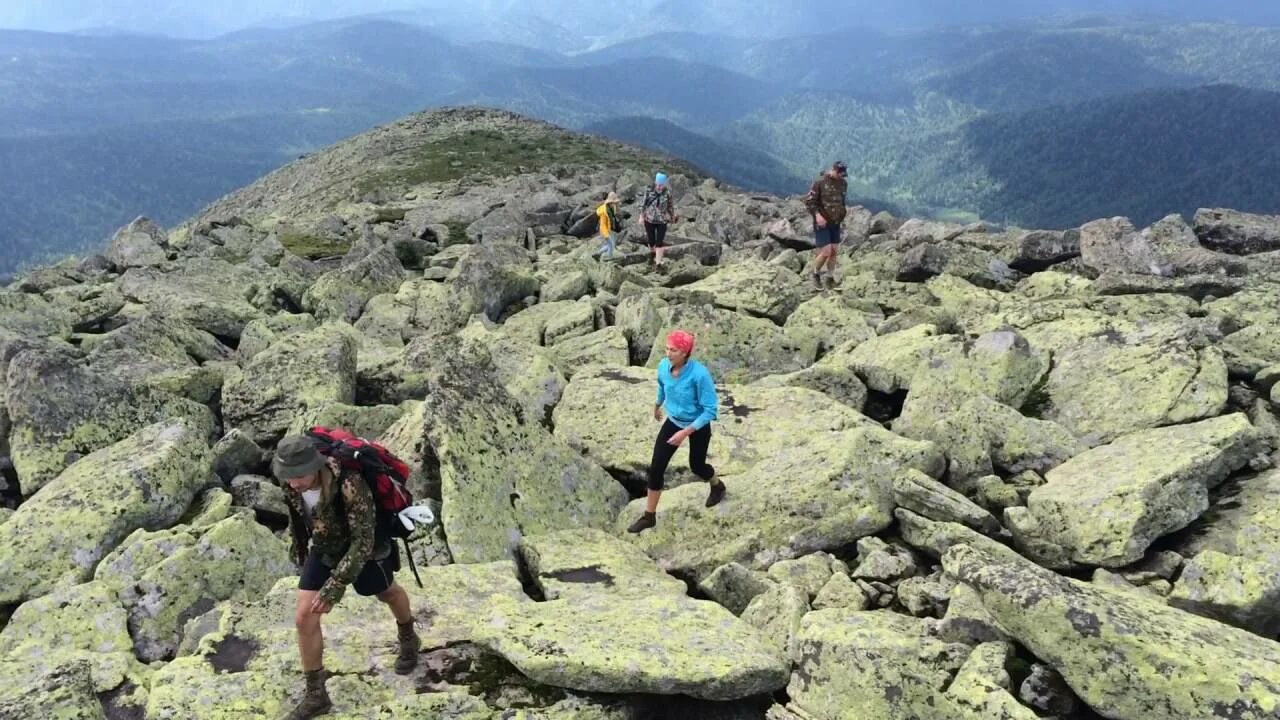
x: 296, y: 456
x: 840, y: 167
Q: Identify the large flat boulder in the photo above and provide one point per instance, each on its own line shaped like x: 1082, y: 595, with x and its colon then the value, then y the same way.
x: 61, y: 410
x: 570, y: 564
x: 889, y: 362
x: 145, y: 481
x: 880, y: 662
x: 342, y: 293
x: 212, y: 295
x: 734, y: 346
x: 1109, y: 385
x: 1101, y: 641
x: 1106, y: 506
x: 1236, y: 232
x: 296, y: 373
x: 243, y: 655
x: 502, y: 474
x: 607, y: 414
x: 786, y: 505
x: 755, y: 287
x: 664, y: 644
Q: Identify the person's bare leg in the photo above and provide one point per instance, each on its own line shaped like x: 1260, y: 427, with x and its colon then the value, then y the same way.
x: 310, y: 634
x: 398, y: 600
x: 660, y: 252
x: 650, y: 516
x: 651, y: 502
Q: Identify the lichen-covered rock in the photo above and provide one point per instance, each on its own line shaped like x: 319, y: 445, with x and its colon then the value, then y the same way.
x: 734, y: 586
x: 65, y: 692
x: 777, y: 613
x: 569, y: 286
x: 967, y: 620
x: 1126, y: 657
x: 260, y: 334
x: 1168, y: 248
x: 922, y: 494
x: 935, y: 538
x: 602, y: 409
x: 662, y: 644
x: 1107, y: 386
x: 841, y: 592
x: 530, y: 324
x: 144, y: 481
x: 841, y: 384
x: 141, y: 243
x: 785, y: 506
x: 527, y: 371
x: 755, y: 287
x: 828, y: 321
x: 925, y: 595
x: 77, y: 623
x: 260, y: 495
x: 573, y: 321
x: 809, y: 573
x: 980, y: 690
x: 298, y: 372
x: 491, y: 277
x: 1238, y: 590
x: 366, y: 421
x: 1253, y: 349
x: 60, y: 411
x: 1237, y: 232
x: 880, y: 662
x: 342, y: 294
x: 734, y: 346
x: 1106, y: 506
x: 640, y: 318
x: 212, y: 295
x: 978, y: 266
x: 569, y: 564
x: 502, y: 474
x: 165, y: 578
x: 245, y: 661
x: 888, y: 363
x: 879, y: 560
x: 607, y: 347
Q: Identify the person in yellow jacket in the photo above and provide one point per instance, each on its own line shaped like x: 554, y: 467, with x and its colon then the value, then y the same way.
x: 609, y: 225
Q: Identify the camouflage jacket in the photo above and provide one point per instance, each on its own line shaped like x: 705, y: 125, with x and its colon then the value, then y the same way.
x: 657, y: 208
x: 340, y: 529
x: 827, y: 196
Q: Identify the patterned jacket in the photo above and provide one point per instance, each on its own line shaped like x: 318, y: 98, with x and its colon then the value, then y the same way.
x: 341, y: 530
x: 657, y: 208
x: 827, y: 196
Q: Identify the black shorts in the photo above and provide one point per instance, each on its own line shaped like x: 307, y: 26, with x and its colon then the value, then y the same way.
x: 656, y: 234
x: 375, y: 577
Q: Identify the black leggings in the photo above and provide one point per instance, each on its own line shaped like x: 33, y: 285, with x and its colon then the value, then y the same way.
x: 662, y: 452
x: 657, y: 234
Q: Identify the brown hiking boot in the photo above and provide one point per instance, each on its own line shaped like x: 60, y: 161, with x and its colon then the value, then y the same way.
x: 410, y: 644
x: 315, y: 701
x: 817, y: 280
x: 644, y: 522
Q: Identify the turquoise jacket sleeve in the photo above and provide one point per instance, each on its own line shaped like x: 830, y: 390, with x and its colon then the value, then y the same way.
x: 708, y: 401
x: 662, y: 392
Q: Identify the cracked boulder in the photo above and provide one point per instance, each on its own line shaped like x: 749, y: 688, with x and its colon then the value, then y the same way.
x: 735, y: 347
x: 1106, y: 506
x: 502, y: 474
x: 1126, y: 657
x: 571, y: 564
x: 145, y: 481
x: 756, y: 288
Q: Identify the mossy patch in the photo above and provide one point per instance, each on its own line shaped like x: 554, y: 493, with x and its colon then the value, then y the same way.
x: 307, y: 245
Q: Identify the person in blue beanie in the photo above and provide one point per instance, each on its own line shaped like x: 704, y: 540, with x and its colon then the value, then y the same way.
x: 656, y: 212
x: 688, y: 394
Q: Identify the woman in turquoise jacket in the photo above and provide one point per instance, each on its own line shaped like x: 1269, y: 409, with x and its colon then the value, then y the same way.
x: 687, y: 392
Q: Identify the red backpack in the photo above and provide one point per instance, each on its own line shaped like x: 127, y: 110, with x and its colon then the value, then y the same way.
x: 386, y: 474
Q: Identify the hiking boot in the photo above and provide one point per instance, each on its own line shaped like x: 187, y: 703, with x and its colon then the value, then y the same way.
x: 315, y: 701
x: 831, y: 282
x: 410, y: 644
x: 645, y: 522
x: 716, y: 495
x: 817, y: 280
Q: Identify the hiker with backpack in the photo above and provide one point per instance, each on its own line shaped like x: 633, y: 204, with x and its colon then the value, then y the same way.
x: 656, y: 212
x: 688, y: 394
x: 826, y: 203
x: 341, y: 534
x: 610, y: 227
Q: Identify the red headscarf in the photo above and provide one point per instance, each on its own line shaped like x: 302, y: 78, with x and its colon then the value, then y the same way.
x: 682, y: 341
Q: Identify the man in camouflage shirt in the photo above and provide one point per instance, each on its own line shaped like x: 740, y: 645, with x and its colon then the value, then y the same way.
x: 826, y: 203
x: 332, y: 521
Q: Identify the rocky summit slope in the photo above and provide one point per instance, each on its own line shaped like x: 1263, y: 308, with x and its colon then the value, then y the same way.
x: 994, y: 473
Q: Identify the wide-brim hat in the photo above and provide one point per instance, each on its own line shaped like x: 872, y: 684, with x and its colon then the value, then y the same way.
x: 296, y: 456
x: 613, y: 198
